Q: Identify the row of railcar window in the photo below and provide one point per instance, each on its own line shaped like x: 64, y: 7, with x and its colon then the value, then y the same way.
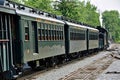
x: 55, y: 32
x: 93, y: 36
x: 77, y: 34
x: 46, y: 32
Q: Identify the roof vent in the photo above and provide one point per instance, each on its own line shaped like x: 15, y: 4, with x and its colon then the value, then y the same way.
x: 2, y: 2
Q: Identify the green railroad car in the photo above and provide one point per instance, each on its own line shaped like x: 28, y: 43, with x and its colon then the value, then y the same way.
x: 6, y: 52
x: 41, y: 37
x: 31, y: 38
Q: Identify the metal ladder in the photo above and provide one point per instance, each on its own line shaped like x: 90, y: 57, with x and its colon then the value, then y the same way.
x: 4, y: 42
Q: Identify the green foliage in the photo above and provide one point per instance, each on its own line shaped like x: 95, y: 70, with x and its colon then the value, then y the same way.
x: 44, y: 5
x: 18, y: 1
x: 111, y: 21
x: 79, y: 11
x: 91, y: 16
x: 67, y: 7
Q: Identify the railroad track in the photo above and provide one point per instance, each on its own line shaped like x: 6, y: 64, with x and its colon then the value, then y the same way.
x: 90, y: 72
x: 28, y: 75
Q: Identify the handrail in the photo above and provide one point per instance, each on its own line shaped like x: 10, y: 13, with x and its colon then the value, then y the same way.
x: 4, y: 40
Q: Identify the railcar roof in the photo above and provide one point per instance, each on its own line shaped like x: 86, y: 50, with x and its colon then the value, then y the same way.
x: 30, y: 12
x: 82, y: 26
x: 77, y: 25
x: 7, y: 9
x: 92, y: 28
x: 19, y: 12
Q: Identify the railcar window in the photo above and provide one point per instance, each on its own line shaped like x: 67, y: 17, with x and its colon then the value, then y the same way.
x: 42, y: 31
x: 71, y: 35
x: 43, y: 34
x: 57, y: 32
x: 3, y: 27
x: 52, y: 32
x: 39, y: 34
x: 76, y: 34
x: 93, y: 36
x: 46, y: 32
x: 61, y: 32
x: 82, y: 35
x: 55, y: 37
x: 74, y: 37
x: 49, y: 32
x: 26, y: 25
x: 39, y: 31
x: 58, y: 35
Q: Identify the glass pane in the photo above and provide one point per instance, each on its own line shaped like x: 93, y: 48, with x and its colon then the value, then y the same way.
x: 26, y: 25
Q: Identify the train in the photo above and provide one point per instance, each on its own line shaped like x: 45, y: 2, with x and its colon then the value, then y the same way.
x: 37, y: 38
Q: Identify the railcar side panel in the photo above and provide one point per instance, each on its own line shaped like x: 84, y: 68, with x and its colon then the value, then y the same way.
x: 93, y: 39
x: 41, y: 39
x: 77, y: 39
x: 5, y: 39
x: 51, y: 48
x: 77, y: 46
x: 93, y: 44
x: 51, y: 39
x: 7, y: 25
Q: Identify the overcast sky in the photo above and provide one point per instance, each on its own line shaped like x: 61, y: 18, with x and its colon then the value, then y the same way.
x: 103, y: 5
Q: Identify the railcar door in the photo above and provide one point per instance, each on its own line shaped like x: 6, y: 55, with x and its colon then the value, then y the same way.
x: 34, y: 37
x: 5, y: 42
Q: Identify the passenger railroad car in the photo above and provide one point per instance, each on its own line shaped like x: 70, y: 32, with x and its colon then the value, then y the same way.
x: 36, y: 38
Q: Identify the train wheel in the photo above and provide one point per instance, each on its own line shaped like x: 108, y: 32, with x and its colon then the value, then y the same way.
x: 61, y: 59
x: 32, y: 64
x: 54, y: 61
x: 74, y: 55
x: 47, y: 62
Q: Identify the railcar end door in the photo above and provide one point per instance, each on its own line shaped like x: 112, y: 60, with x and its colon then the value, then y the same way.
x: 34, y: 37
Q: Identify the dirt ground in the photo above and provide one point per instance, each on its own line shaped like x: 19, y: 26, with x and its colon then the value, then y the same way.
x: 102, y: 69
x: 104, y: 65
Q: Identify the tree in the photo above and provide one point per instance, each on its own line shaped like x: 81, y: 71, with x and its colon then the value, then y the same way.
x: 44, y: 5
x: 79, y: 11
x: 18, y: 1
x: 111, y: 21
x: 90, y: 14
